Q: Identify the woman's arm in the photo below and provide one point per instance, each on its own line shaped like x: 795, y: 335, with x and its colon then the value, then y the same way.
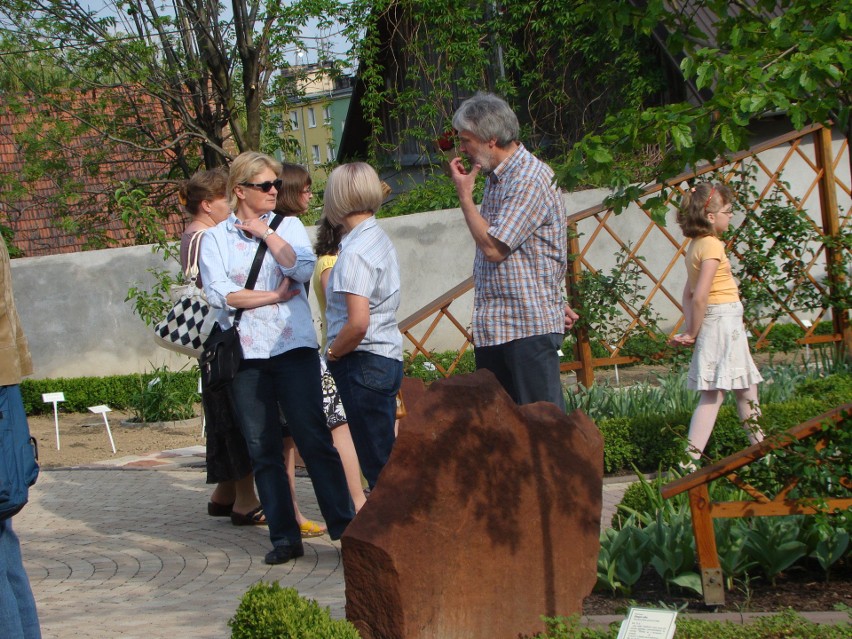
x: 249, y: 298
x: 280, y: 248
x: 355, y: 328
x: 325, y: 275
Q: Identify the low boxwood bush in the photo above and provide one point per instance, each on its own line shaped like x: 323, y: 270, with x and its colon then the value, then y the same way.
x: 619, y: 448
x: 269, y: 611
x: 116, y: 391
x: 660, y: 439
x: 833, y: 390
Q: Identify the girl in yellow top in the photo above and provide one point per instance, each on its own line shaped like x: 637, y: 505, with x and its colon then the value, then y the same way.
x: 713, y: 317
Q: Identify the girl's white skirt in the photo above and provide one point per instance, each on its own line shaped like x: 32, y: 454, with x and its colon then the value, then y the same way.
x: 722, y: 360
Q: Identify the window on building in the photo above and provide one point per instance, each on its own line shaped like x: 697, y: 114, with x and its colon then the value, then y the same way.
x: 312, y: 119
x: 315, y: 153
x: 294, y: 120
x: 326, y: 114
x: 329, y: 150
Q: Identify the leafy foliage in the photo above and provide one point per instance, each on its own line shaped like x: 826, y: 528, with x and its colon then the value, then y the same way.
x: 145, y: 89
x: 611, y: 303
x: 117, y: 391
x: 537, y: 54
x: 435, y: 194
x: 268, y: 610
x: 161, y: 396
x: 773, y: 250
x: 792, y: 57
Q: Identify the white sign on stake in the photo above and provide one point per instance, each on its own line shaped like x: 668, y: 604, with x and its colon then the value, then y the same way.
x: 103, y: 410
x: 54, y: 398
x: 648, y: 623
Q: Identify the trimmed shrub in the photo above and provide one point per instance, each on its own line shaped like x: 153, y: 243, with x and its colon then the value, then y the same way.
x: 619, y: 449
x: 117, y: 391
x: 267, y: 610
x: 728, y: 435
x: 660, y: 439
x: 831, y: 391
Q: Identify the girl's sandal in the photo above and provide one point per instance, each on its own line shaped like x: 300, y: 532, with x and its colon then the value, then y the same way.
x: 253, y: 518
x: 311, y: 529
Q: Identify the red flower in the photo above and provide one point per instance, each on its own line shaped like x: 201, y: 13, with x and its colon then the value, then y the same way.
x: 446, y: 141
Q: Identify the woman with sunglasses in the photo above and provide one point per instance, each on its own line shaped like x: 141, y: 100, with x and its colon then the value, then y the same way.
x: 280, y: 368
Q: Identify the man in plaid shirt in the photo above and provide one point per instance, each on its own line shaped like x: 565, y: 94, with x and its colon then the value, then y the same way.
x: 521, y: 252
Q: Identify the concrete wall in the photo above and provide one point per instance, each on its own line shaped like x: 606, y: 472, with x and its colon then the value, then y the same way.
x: 73, y: 310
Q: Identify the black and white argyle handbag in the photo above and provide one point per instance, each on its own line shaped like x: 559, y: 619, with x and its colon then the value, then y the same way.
x: 184, y: 328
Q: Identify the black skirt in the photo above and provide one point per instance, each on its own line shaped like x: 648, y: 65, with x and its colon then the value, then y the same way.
x: 227, y: 453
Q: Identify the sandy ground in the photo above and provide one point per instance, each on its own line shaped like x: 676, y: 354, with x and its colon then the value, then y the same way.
x: 83, y: 438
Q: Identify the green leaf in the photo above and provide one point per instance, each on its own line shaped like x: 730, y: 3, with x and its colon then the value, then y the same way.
x: 682, y: 136
x: 728, y: 137
x: 689, y: 580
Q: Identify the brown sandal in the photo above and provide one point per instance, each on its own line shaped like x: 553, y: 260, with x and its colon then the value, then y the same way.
x: 253, y: 518
x: 215, y: 509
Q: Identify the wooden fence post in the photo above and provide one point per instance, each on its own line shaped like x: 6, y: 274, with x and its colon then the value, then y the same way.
x: 712, y: 583
x: 582, y: 347
x: 831, y: 228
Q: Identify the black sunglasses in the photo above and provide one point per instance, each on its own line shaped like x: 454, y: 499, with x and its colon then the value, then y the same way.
x: 263, y: 186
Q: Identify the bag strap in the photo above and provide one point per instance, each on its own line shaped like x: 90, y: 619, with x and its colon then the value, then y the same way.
x: 255, y: 266
x: 192, y: 271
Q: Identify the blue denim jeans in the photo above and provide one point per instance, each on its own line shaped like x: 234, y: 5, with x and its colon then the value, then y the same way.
x: 292, y: 381
x: 18, y: 617
x: 528, y: 368
x: 368, y: 385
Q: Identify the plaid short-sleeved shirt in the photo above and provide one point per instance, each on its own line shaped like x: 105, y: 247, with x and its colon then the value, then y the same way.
x: 521, y: 296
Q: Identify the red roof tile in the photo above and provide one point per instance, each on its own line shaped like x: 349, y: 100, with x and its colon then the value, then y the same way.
x: 32, y: 205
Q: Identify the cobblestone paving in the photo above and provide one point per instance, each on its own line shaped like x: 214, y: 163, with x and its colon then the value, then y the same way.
x: 133, y: 554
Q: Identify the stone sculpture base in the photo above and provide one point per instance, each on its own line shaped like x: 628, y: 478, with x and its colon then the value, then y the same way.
x: 486, y: 517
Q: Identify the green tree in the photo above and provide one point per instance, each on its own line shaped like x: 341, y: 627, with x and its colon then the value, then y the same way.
x: 618, y: 93
x: 562, y: 72
x: 766, y: 57
x: 165, y: 87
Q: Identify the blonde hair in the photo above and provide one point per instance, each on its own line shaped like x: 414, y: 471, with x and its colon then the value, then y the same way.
x: 205, y: 185
x: 698, y: 202
x: 352, y: 188
x: 243, y: 169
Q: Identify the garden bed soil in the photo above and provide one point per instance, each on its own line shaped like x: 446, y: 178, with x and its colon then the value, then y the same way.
x: 802, y: 588
x: 83, y: 438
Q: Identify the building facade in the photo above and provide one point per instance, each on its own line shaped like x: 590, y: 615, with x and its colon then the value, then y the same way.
x: 312, y: 128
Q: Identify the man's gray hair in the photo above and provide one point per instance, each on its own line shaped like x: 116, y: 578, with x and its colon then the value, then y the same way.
x: 488, y: 116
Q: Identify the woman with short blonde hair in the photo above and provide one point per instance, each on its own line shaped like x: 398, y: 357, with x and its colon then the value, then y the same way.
x: 356, y: 187
x: 365, y: 346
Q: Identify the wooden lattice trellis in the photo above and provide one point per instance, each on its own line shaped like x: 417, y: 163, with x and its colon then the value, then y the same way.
x: 822, y: 185
x: 760, y: 505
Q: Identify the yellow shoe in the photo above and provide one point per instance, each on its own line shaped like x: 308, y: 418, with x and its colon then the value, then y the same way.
x: 311, y: 529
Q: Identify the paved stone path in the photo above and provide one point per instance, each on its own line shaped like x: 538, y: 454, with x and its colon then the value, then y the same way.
x: 132, y: 553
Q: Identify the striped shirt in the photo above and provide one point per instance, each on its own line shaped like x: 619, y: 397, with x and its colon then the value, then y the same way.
x: 226, y: 258
x: 367, y: 266
x: 521, y: 296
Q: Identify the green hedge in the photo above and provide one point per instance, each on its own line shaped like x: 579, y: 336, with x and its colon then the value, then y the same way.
x: 116, y: 391
x: 653, y: 441
x: 269, y: 611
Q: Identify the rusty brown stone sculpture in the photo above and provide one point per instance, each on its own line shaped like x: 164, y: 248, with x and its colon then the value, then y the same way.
x: 486, y: 517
